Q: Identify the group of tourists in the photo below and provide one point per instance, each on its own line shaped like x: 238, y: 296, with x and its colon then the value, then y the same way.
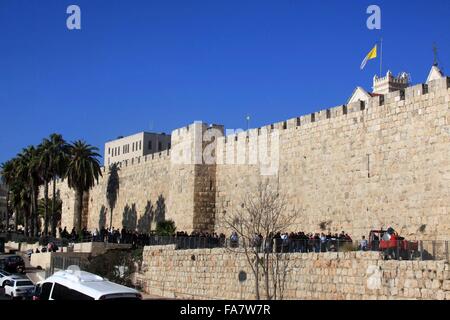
x: 296, y: 241
x: 278, y: 242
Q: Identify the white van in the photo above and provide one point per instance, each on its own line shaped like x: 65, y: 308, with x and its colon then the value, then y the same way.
x: 82, y: 285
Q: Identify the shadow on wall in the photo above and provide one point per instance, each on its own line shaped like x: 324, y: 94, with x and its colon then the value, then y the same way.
x: 152, y: 215
x: 145, y: 221
x: 102, y: 218
x: 160, y: 212
x: 129, y: 218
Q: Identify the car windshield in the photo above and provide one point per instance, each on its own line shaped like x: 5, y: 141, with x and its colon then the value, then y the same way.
x: 24, y: 283
x: 15, y: 259
x: 4, y: 273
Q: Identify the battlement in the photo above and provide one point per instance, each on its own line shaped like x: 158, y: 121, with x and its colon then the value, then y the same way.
x: 390, y: 83
x: 402, y: 79
x: 435, y: 87
x: 150, y: 159
x: 230, y: 146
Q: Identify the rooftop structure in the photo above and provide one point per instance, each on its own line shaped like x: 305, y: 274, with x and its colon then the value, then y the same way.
x: 136, y: 145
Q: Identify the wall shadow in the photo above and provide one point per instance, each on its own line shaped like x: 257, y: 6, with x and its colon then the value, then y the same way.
x: 145, y: 221
x: 102, y: 218
x: 160, y: 211
x: 129, y: 217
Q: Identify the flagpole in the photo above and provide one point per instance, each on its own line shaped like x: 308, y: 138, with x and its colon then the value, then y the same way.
x: 381, y: 57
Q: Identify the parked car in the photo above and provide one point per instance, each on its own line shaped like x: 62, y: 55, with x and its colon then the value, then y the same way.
x: 12, y: 263
x: 3, y: 276
x: 19, y: 288
x: 82, y: 285
x: 11, y: 277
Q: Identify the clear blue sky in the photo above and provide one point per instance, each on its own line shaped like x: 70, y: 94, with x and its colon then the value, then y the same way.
x: 159, y: 65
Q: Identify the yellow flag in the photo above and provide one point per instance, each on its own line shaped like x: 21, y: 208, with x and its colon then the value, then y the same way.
x: 371, y: 55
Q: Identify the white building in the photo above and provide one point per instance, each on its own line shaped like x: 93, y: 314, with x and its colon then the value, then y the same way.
x: 136, y: 145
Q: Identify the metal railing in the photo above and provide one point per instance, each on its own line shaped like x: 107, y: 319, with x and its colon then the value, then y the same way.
x: 398, y: 250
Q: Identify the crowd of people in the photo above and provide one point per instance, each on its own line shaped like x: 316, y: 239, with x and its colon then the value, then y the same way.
x: 296, y: 242
x: 278, y: 242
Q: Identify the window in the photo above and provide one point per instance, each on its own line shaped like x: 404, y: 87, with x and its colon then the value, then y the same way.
x: 109, y: 150
x: 328, y: 114
x: 76, y: 295
x: 169, y: 145
x: 159, y: 146
x: 132, y: 147
x: 140, y: 145
x: 150, y: 145
x: 45, y: 291
x: 61, y: 292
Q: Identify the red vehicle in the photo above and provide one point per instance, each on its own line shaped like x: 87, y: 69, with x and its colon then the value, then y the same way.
x: 392, y: 245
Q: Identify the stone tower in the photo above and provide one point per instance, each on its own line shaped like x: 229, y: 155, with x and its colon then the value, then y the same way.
x: 193, y: 177
x: 390, y: 83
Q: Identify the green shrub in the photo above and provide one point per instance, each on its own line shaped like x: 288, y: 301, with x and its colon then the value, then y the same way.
x: 107, y: 265
x: 165, y: 228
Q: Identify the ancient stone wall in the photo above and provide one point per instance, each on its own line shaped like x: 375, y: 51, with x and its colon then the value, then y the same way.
x: 213, y: 274
x: 143, y: 189
x: 356, y: 167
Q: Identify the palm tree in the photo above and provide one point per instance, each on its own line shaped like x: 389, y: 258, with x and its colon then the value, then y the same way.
x: 28, y: 172
x: 41, y: 207
x: 44, y: 170
x: 54, y: 157
x: 7, y: 177
x: 112, y: 189
x: 59, y: 151
x: 83, y: 171
x: 21, y: 202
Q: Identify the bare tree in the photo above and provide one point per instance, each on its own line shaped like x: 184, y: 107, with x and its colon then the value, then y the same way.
x: 260, y: 218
